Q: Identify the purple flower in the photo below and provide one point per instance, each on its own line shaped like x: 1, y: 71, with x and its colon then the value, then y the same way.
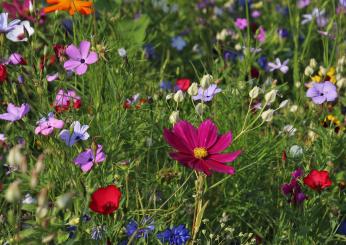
x: 88, y: 158
x: 261, y: 36
x: 303, y: 3
x: 321, y: 92
x: 79, y: 58
x: 241, y: 23
x: 208, y: 94
x: 46, y: 126
x: 147, y: 226
x: 293, y: 190
x: 278, y: 66
x: 78, y: 133
x: 15, y: 113
x: 178, y: 235
x: 343, y: 3
x: 4, y: 25
x: 178, y: 43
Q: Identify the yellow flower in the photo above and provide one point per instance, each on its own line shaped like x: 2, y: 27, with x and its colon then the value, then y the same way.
x: 330, y: 75
x: 74, y: 221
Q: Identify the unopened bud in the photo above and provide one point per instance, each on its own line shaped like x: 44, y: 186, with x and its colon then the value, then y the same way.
x: 267, y: 115
x: 254, y: 92
x: 13, y: 192
x: 283, y: 104
x: 193, y: 89
x: 313, y: 63
x: 206, y: 81
x: 178, y: 96
x: 15, y: 157
x: 308, y: 71
x: 270, y: 96
x: 39, y: 164
x: 323, y: 70
x: 174, y: 117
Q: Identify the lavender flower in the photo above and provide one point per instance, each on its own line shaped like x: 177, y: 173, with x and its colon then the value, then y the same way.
x: 78, y: 133
x: 4, y: 25
x: 278, y: 66
x: 15, y: 113
x: 178, y: 43
x: 88, y: 158
x: 208, y: 94
x: 321, y: 92
x: 147, y: 226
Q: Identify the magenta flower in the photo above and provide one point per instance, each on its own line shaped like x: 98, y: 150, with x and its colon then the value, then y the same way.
x: 241, y: 23
x: 88, y: 158
x: 79, y: 58
x: 321, y: 92
x: 46, y: 126
x: 200, y: 148
x: 293, y: 189
x: 303, y: 3
x: 15, y: 113
x: 261, y: 36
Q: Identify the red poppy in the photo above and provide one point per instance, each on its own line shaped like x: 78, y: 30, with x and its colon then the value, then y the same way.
x: 183, y: 83
x: 3, y: 73
x: 318, y: 180
x: 105, y: 200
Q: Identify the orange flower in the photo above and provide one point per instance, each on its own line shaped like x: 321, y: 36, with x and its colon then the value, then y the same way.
x: 83, y: 7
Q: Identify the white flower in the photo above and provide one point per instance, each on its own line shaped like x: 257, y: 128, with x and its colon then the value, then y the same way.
x: 289, y: 129
x: 28, y: 199
x: 20, y: 32
x: 178, y: 96
x: 122, y: 52
x: 254, y: 92
x: 267, y: 115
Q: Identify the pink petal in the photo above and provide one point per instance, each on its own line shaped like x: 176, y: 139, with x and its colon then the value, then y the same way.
x: 73, y: 52
x: 56, y: 123
x: 176, y: 142
x: 219, y: 167
x: 47, y: 131
x: 200, y: 165
x: 71, y: 64
x: 221, y: 144
x: 181, y: 157
x: 92, y: 58
x: 226, y: 157
x: 207, y: 134
x: 87, y: 167
x: 84, y: 48
x: 80, y: 70
x: 52, y: 77
x: 188, y: 132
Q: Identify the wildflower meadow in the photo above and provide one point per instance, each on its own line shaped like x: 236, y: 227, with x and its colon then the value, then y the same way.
x: 173, y: 122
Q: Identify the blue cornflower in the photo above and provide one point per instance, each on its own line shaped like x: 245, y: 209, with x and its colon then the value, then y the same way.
x: 166, y: 85
x: 71, y: 229
x: 262, y: 62
x: 76, y: 133
x: 86, y: 218
x: 147, y: 225
x: 97, y: 232
x: 149, y: 51
x: 178, y: 43
x: 178, y: 235
x: 68, y: 26
x: 230, y: 55
x: 342, y: 228
x: 283, y: 32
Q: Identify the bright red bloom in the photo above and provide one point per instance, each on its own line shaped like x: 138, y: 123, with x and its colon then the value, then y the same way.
x: 200, y: 148
x: 318, y: 180
x: 3, y: 73
x: 183, y: 83
x: 105, y: 200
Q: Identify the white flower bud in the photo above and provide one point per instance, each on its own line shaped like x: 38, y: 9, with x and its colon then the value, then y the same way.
x: 174, y: 117
x: 254, y: 92
x: 267, y: 115
x: 169, y: 96
x: 200, y: 108
x: 193, y: 89
x: 64, y: 200
x: 270, y: 96
x: 237, y: 47
x: 313, y: 63
x: 283, y: 104
x: 206, y: 81
x: 13, y: 192
x: 122, y: 52
x: 308, y: 71
x: 296, y: 151
x: 341, y: 83
x: 178, y: 96
x: 293, y: 108
x: 221, y: 36
x: 323, y: 70
x: 15, y: 157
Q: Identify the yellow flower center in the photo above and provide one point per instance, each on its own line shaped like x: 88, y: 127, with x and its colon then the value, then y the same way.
x: 200, y: 152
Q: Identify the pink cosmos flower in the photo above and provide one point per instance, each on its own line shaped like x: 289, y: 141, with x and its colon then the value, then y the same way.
x: 200, y: 148
x: 241, y: 23
x: 15, y: 113
x: 46, y: 126
x: 80, y: 58
x: 88, y: 158
x: 261, y: 36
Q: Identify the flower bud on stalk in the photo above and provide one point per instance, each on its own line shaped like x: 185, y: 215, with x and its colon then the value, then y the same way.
x: 270, y: 96
x: 206, y: 81
x: 267, y: 115
x: 174, y: 117
x: 200, y: 108
x: 178, y: 96
x: 13, y: 192
x: 254, y: 92
x: 193, y: 89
